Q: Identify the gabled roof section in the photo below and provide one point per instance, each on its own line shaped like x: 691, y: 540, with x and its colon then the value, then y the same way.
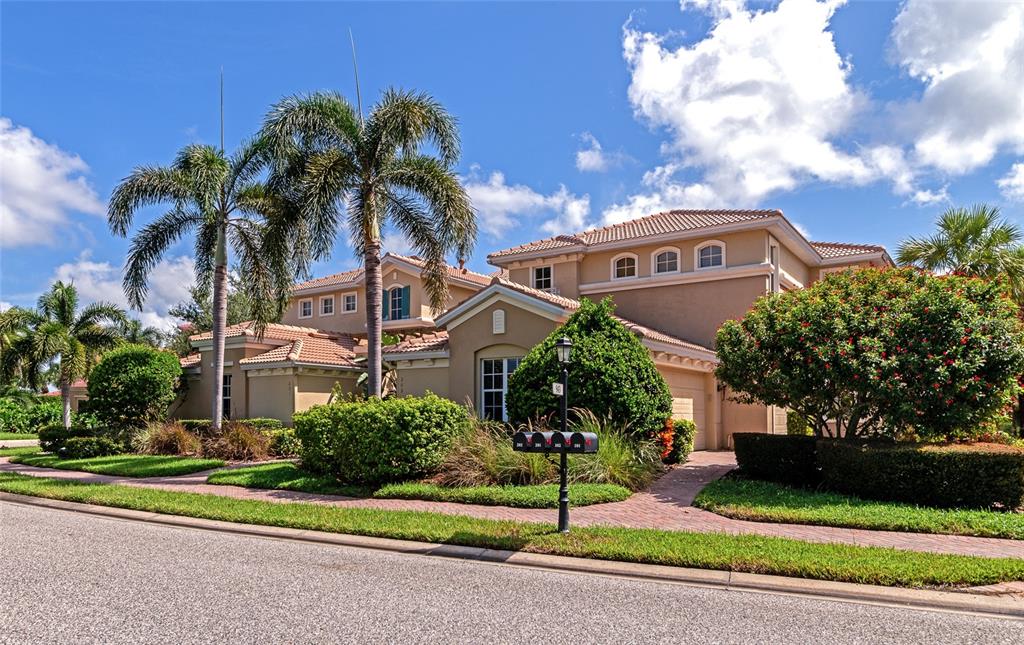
x: 328, y: 350
x: 273, y: 331
x: 354, y: 278
x: 436, y: 341
x: 569, y: 305
x: 675, y: 221
x: 830, y: 250
x: 192, y: 360
x: 453, y: 271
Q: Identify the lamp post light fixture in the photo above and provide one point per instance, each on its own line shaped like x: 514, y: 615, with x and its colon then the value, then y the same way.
x: 563, y: 348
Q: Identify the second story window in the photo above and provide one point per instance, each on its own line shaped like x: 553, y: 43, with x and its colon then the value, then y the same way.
x: 624, y: 267
x: 710, y: 255
x: 327, y: 306
x: 396, y: 303
x: 305, y: 309
x: 542, y: 278
x: 348, y: 303
x: 666, y: 262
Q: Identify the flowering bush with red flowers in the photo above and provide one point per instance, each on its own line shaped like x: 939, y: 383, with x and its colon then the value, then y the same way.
x: 882, y: 352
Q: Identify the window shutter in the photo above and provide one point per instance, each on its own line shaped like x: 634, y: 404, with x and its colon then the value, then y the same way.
x: 385, y: 303
x: 406, y: 291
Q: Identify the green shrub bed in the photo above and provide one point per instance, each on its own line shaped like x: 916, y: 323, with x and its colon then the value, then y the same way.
x: 789, y: 459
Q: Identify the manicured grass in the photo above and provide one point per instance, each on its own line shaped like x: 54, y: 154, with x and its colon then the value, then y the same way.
x: 539, y: 496
x: 287, y: 476
x: 748, y: 553
x: 124, y: 465
x: 768, y: 502
x: 18, y: 452
x: 16, y: 435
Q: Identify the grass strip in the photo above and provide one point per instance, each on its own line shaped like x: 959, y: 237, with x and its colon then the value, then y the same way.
x: 19, y: 452
x: 761, y: 501
x: 536, y: 496
x: 288, y: 476
x: 123, y: 465
x: 748, y: 553
x: 17, y: 436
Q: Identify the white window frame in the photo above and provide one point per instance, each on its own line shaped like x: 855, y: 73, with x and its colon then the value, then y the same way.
x: 302, y: 302
x: 636, y: 266
x: 551, y: 277
x: 775, y: 285
x: 324, y: 299
x: 355, y: 302
x: 664, y: 249
x: 225, y: 396
x: 704, y: 245
x: 506, y: 373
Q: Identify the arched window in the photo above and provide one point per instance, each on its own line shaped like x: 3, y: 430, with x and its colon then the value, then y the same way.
x: 396, y: 303
x: 624, y: 266
x: 665, y: 261
x: 709, y: 255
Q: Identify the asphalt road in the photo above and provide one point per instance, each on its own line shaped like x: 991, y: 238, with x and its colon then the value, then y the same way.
x: 74, y: 578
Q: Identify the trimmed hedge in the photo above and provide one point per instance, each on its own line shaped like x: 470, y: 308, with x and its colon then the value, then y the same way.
x: 53, y: 437
x: 943, y: 476
x: 682, y: 440
x: 88, y: 447
x: 132, y: 386
x: 378, y: 441
x: 787, y: 459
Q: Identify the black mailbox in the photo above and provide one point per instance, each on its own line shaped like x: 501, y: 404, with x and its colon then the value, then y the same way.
x: 522, y: 441
x: 582, y: 442
x: 558, y: 441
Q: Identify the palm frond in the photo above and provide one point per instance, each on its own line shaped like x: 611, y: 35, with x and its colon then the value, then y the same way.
x: 148, y: 248
x: 146, y: 186
x: 99, y: 312
x: 320, y: 120
x: 404, y: 120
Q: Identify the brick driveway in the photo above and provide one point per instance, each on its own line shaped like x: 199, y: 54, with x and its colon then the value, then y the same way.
x: 667, y: 505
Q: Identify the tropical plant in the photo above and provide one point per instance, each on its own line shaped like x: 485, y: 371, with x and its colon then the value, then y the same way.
x: 135, y: 333
x: 73, y: 340
x: 19, y: 370
x: 971, y: 241
x: 375, y: 169
x: 224, y: 201
x: 879, y: 353
x: 131, y: 387
x: 612, y: 374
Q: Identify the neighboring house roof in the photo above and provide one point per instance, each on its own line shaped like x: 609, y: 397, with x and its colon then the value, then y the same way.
x: 839, y: 250
x: 355, y: 276
x: 192, y: 360
x: 273, y: 331
x: 675, y: 221
x: 334, y: 350
x: 429, y: 342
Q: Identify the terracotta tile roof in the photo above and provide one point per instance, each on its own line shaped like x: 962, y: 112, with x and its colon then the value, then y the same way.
x: 274, y: 331
x: 334, y: 350
x: 192, y: 360
x: 572, y: 305
x: 355, y: 276
x: 453, y: 271
x: 422, y: 342
x: 345, y: 277
x: 674, y: 221
x: 839, y: 249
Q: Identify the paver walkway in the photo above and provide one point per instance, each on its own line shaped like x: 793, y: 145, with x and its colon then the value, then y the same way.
x: 667, y: 505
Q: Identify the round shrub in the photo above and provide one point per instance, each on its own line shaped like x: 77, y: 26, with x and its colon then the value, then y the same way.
x: 87, y: 447
x: 284, y: 442
x: 611, y: 374
x: 377, y: 441
x: 13, y: 416
x: 883, y: 352
x: 53, y: 437
x: 684, y: 432
x: 132, y: 386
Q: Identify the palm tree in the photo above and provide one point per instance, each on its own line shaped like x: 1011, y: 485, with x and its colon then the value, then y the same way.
x: 971, y: 241
x: 18, y: 369
x: 133, y: 331
x: 376, y: 171
x: 59, y: 332
x: 223, y: 200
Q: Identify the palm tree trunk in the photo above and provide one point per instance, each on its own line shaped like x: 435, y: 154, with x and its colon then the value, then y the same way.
x: 374, y: 323
x: 65, y: 396
x: 220, y: 314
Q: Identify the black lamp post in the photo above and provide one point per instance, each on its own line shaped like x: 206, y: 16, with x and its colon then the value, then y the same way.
x: 563, y: 348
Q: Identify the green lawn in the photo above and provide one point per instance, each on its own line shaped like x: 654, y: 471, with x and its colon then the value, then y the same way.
x: 768, y: 502
x: 17, y: 435
x: 747, y: 553
x: 17, y: 452
x: 124, y: 465
x: 287, y: 476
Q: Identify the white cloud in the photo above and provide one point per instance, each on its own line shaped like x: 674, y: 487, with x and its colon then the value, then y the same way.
x: 501, y: 206
x: 4, y: 305
x: 970, y: 58
x: 396, y: 242
x: 929, y: 197
x: 594, y: 158
x: 169, y: 284
x: 40, y: 186
x: 1012, y: 185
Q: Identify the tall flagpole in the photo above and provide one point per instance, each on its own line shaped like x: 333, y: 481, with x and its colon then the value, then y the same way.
x: 355, y: 70
x: 222, y: 109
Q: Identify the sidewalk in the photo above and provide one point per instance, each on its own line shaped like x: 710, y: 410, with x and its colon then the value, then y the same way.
x: 665, y: 506
x: 18, y: 443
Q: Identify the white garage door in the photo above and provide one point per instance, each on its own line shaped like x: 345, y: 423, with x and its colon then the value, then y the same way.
x: 687, y: 390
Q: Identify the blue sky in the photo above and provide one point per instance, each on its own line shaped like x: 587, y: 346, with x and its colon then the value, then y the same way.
x: 862, y: 121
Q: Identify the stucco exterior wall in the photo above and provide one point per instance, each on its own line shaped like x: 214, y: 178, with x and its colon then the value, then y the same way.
x: 188, y: 406
x: 316, y: 390
x: 688, y: 399
x: 692, y: 312
x: 417, y: 381
x: 272, y: 395
x: 201, y: 391
x: 793, y: 265
x: 740, y: 417
x: 565, y: 275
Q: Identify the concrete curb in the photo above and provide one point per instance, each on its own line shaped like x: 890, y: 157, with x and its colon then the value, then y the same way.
x: 735, y: 581
x: 18, y: 443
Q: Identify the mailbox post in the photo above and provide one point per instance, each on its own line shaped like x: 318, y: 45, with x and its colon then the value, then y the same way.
x: 563, y: 347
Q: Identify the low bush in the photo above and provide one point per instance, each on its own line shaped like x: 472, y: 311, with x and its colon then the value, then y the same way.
x: 169, y: 438
x: 684, y: 432
x: 49, y: 410
x: 376, y: 441
x: 13, y: 416
x: 787, y: 459
x: 942, y: 476
x: 53, y: 437
x: 237, y: 441
x: 88, y: 447
x: 263, y: 423
x: 198, y: 427
x: 796, y: 424
x: 621, y: 457
x: 131, y: 387
x: 284, y: 442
